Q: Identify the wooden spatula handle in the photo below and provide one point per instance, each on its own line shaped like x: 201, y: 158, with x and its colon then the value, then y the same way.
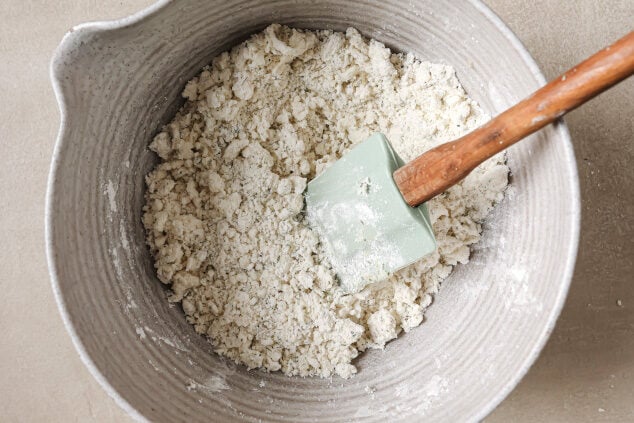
x: 438, y: 169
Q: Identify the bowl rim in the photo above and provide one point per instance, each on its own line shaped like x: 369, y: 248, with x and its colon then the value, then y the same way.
x: 80, y: 30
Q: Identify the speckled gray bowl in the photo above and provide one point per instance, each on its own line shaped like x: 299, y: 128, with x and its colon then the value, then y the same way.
x: 118, y: 82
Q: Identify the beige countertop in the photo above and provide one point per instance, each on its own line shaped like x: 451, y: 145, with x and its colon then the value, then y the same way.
x: 586, y: 371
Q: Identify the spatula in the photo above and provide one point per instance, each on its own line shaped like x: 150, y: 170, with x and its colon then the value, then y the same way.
x: 368, y: 207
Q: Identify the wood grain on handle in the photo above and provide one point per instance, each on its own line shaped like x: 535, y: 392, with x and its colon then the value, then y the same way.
x: 438, y: 169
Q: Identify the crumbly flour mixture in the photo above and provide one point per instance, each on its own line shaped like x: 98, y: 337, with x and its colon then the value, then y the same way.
x: 224, y: 212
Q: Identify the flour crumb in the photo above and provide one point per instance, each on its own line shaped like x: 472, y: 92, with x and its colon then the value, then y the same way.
x: 140, y: 332
x: 370, y: 390
x: 364, y: 186
x: 224, y: 212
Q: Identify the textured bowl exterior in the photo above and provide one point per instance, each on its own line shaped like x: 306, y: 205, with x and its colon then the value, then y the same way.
x: 118, y: 82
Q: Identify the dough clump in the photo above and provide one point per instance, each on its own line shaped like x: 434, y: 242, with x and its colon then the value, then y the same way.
x: 224, y: 207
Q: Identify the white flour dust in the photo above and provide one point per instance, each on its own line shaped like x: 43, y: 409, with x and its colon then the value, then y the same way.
x: 224, y: 211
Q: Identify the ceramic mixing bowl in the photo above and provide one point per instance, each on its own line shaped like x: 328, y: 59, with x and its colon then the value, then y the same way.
x: 117, y: 82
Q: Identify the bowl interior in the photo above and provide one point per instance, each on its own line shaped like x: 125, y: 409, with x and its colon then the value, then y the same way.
x: 118, y: 82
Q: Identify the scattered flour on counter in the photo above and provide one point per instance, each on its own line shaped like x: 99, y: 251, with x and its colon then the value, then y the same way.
x: 224, y: 208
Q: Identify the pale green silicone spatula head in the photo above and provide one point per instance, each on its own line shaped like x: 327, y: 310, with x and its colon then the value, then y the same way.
x: 368, y: 230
